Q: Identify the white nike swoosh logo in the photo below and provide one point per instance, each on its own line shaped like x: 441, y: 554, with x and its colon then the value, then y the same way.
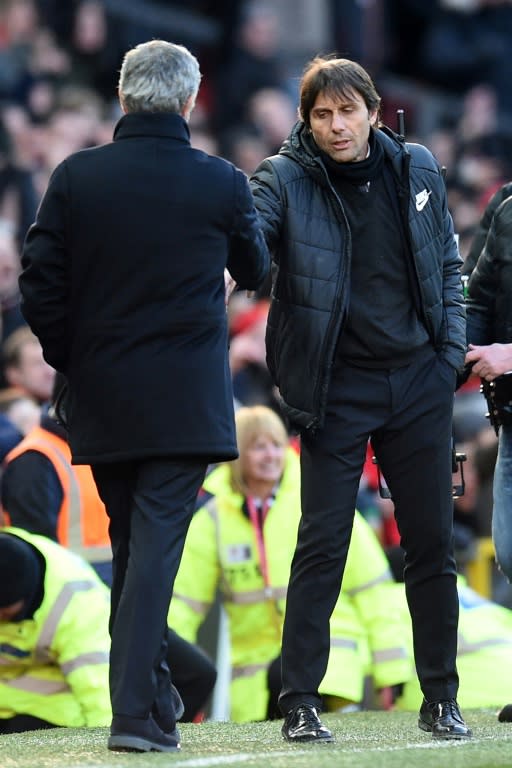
x: 422, y: 199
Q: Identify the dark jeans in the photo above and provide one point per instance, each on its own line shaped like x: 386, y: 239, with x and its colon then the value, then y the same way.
x: 150, y: 504
x: 407, y: 414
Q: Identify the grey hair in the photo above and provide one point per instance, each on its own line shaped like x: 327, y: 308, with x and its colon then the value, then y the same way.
x: 158, y: 76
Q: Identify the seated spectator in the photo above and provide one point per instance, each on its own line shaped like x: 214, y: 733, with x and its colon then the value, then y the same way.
x: 45, y: 592
x: 244, y: 537
x: 24, y: 366
x: 44, y: 493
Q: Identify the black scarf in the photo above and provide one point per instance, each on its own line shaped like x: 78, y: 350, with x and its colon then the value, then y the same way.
x: 361, y: 172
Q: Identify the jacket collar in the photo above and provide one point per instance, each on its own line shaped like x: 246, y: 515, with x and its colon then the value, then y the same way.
x: 300, y: 146
x: 162, y: 124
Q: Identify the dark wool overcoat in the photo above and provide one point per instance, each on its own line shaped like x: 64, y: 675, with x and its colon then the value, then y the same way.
x: 123, y: 282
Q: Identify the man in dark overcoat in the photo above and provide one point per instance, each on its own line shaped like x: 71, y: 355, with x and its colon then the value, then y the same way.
x: 123, y: 281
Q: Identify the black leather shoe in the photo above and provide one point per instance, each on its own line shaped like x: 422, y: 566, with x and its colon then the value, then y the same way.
x: 131, y: 734
x: 505, y: 714
x: 443, y: 720
x: 303, y: 724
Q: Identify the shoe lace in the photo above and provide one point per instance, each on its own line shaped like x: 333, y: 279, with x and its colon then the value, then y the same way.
x: 308, y: 715
x: 450, y: 708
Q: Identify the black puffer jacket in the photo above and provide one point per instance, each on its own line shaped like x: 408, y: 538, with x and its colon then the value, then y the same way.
x: 308, y: 235
x: 483, y: 227
x: 489, y: 305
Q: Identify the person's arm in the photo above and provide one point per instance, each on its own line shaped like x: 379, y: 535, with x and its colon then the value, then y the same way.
x: 195, y: 587
x: 489, y: 297
x: 44, y: 280
x: 32, y: 494
x: 265, y: 189
x: 81, y: 649
x: 249, y: 259
x: 454, y: 329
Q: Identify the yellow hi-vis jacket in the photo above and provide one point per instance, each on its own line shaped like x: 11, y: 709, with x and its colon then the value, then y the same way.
x: 55, y: 665
x: 222, y: 552
x: 484, y: 651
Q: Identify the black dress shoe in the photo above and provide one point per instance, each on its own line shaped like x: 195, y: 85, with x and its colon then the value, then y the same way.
x: 505, y: 714
x: 131, y: 734
x: 303, y: 724
x: 443, y: 720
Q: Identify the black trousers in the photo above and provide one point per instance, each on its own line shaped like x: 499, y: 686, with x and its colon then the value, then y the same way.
x: 150, y: 504
x: 407, y: 413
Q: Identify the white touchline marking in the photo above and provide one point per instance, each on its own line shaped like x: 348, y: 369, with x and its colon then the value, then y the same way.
x: 242, y: 757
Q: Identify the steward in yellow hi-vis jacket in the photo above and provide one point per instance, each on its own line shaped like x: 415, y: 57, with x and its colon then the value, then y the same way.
x: 484, y: 651
x: 54, y: 641
x: 247, y: 555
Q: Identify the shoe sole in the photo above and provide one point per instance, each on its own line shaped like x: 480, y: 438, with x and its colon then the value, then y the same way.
x: 310, y: 739
x: 125, y: 743
x: 443, y: 736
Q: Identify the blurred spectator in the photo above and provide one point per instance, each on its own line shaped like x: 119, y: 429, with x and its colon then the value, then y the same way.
x: 11, y: 317
x: 18, y: 199
x: 272, y: 113
x: 245, y: 148
x: 454, y: 45
x: 252, y: 383
x: 95, y: 49
x: 25, y: 367
x: 19, y: 25
x: 21, y: 410
x: 253, y: 63
x: 42, y: 492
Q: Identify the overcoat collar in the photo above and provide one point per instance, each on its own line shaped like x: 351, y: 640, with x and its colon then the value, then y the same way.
x: 163, y: 124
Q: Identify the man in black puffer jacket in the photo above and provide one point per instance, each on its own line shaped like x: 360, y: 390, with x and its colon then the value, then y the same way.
x: 482, y: 230
x: 365, y: 335
x: 489, y: 336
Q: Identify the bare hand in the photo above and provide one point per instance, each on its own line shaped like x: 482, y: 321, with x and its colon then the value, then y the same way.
x: 229, y: 286
x: 490, y: 361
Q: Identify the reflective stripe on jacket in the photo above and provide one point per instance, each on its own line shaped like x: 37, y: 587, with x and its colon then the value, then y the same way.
x: 54, y: 666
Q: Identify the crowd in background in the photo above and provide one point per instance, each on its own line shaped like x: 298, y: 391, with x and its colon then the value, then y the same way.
x: 445, y: 63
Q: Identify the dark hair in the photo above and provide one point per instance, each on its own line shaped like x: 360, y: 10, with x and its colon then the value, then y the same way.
x: 334, y: 76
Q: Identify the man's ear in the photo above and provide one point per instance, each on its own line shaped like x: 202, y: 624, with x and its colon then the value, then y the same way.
x: 189, y: 106
x: 121, y: 102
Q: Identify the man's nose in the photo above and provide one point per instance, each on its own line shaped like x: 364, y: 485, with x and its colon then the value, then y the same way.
x: 338, y: 122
